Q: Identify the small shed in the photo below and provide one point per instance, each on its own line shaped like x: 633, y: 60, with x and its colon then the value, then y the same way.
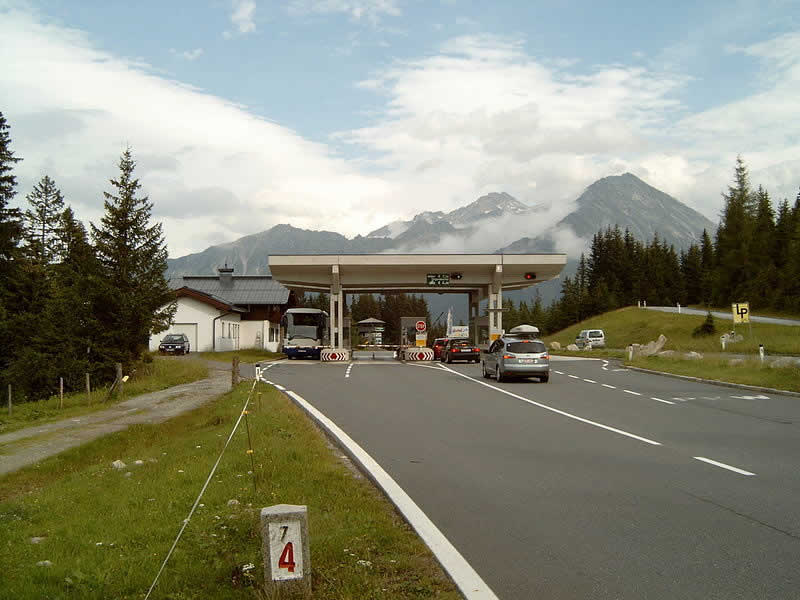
x: 371, y: 330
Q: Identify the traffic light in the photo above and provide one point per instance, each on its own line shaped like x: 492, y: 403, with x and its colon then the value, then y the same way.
x: 530, y: 276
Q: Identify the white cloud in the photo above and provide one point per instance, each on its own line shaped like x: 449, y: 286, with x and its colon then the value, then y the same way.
x: 243, y: 16
x: 207, y: 165
x: 369, y: 10
x: 188, y: 54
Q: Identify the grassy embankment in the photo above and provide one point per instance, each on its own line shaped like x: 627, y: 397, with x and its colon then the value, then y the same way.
x: 248, y: 355
x: 162, y: 373
x: 632, y: 325
x: 106, y: 533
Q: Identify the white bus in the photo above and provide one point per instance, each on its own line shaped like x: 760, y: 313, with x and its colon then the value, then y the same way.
x: 305, y: 331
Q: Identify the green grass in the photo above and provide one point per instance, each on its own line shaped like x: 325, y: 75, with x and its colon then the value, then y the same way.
x: 162, y: 373
x: 75, y: 500
x: 765, y: 312
x: 750, y: 372
x: 246, y: 355
x: 632, y: 325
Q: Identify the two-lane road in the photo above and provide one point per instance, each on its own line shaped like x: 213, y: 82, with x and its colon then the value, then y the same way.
x: 604, y: 483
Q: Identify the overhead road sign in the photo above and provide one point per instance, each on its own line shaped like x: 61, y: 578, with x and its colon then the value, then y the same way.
x: 436, y: 279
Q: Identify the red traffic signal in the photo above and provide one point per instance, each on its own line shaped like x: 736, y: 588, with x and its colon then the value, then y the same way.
x: 530, y: 276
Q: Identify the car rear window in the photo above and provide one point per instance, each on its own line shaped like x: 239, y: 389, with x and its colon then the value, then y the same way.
x: 595, y: 334
x: 526, y: 347
x: 461, y: 343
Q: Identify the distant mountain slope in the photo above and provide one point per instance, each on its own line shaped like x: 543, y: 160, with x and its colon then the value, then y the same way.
x: 249, y: 255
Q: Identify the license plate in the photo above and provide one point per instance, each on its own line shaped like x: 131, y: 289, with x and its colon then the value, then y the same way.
x: 527, y: 361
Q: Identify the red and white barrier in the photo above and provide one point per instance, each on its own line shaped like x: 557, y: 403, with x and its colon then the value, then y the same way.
x: 334, y: 354
x: 418, y: 354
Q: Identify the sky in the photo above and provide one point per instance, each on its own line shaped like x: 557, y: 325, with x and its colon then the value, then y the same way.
x: 345, y: 115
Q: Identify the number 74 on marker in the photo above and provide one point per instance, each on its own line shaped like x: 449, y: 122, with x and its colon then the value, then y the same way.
x: 286, y: 551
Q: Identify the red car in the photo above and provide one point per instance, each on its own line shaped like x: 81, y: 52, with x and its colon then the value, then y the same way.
x: 438, y: 346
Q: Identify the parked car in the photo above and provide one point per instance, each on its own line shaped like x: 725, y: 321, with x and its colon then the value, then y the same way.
x: 595, y: 337
x: 511, y: 356
x: 438, y: 346
x: 460, y: 349
x: 174, y: 343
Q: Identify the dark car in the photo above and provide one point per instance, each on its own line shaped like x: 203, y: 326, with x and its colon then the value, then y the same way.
x: 174, y: 343
x: 438, y: 346
x: 460, y: 349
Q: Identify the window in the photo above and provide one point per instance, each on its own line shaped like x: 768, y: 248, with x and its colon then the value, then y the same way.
x: 526, y: 347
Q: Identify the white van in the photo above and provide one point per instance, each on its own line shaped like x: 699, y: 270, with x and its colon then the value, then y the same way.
x: 595, y: 337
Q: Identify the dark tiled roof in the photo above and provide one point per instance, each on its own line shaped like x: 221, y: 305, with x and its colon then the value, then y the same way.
x: 370, y: 321
x: 241, y: 290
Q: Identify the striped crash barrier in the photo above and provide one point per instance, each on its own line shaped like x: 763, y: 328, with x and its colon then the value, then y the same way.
x: 333, y: 354
x: 418, y: 354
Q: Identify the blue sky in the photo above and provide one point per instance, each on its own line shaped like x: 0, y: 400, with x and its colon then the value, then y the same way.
x: 347, y: 114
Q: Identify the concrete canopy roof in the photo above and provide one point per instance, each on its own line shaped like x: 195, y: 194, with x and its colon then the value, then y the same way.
x: 408, y: 272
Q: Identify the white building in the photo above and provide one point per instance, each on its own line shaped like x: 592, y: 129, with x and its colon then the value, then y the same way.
x: 228, y: 312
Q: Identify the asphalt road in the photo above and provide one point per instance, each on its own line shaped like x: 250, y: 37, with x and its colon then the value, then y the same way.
x: 723, y: 315
x: 590, y: 486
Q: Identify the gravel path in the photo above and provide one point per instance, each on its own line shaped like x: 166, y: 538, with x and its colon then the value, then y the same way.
x: 154, y: 407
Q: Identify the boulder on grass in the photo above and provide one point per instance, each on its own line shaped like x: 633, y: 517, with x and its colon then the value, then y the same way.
x: 783, y: 362
x: 118, y: 464
x: 572, y: 348
x: 667, y: 353
x: 555, y: 346
x: 693, y: 356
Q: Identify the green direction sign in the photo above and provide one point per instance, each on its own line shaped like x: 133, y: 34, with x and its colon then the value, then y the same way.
x: 438, y: 279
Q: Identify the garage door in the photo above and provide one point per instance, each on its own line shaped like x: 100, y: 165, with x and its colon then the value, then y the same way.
x: 190, y: 329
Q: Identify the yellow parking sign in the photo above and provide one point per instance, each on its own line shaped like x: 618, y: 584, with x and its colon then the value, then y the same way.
x: 741, y: 312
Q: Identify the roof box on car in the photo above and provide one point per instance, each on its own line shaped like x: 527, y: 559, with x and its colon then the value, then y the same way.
x: 524, y: 331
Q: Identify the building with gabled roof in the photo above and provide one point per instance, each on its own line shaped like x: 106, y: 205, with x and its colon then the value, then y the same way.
x: 228, y: 312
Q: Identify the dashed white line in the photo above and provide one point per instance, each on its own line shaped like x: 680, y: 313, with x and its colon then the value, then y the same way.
x: 611, y: 387
x: 632, y: 392
x: 347, y: 372
x: 723, y: 465
x: 660, y: 400
x: 555, y: 410
x: 559, y: 372
x: 574, y: 376
x: 589, y: 380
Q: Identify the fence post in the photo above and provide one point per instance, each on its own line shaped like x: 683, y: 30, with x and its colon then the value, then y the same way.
x: 60, y: 393
x: 119, y: 379
x: 88, y: 389
x: 9, y: 399
x: 235, y: 371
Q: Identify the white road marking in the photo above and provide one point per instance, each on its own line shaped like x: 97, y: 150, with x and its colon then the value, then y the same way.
x: 605, y: 365
x: 574, y: 376
x: 555, y: 410
x: 632, y: 392
x: 759, y: 397
x: 589, y: 380
x: 465, y: 577
x: 269, y: 382
x: 280, y: 387
x: 347, y: 372
x: 723, y: 465
x: 559, y: 372
x: 611, y: 387
x: 437, y: 367
x: 660, y: 400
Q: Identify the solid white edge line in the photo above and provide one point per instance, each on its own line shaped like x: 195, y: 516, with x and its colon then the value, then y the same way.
x: 632, y: 392
x: 612, y: 387
x: 723, y: 465
x: 280, y: 387
x: 555, y: 410
x: 459, y: 570
x: 660, y: 400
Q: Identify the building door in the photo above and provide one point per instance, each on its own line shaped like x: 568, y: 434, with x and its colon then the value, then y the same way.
x: 190, y: 329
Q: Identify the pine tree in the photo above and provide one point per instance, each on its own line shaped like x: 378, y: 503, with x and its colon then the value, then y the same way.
x: 42, y: 220
x: 135, y: 299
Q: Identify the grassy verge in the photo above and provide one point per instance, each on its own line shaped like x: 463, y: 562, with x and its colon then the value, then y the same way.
x: 160, y: 374
x: 635, y: 326
x: 595, y: 353
x: 106, y: 533
x: 766, y: 312
x: 749, y: 372
x: 246, y: 355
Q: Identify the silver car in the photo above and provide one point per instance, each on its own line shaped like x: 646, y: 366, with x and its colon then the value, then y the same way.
x: 509, y: 357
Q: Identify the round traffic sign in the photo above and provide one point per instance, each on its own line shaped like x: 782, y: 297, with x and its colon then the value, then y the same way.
x: 420, y: 326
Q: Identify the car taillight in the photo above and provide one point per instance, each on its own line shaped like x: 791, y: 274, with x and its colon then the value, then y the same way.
x: 508, y: 356
x: 546, y: 357
x: 476, y: 349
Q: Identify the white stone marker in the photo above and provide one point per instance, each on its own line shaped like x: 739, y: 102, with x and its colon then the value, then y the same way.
x: 284, y: 543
